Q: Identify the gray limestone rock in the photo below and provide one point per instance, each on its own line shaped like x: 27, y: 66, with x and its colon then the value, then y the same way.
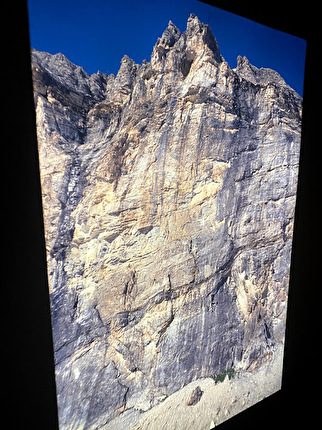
x: 168, y: 195
x: 195, y: 396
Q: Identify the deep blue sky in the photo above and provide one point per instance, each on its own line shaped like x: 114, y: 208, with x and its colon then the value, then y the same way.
x: 95, y: 34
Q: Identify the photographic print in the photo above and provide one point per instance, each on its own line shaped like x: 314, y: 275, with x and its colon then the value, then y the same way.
x: 169, y: 182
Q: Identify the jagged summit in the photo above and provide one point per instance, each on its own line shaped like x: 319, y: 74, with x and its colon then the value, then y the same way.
x: 195, y: 44
x: 170, y: 35
x: 173, y: 50
x: 194, y: 24
x: 257, y: 76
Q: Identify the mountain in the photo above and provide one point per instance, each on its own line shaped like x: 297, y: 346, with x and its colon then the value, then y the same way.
x: 168, y: 197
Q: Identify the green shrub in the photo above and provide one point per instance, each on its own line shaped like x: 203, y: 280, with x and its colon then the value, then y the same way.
x: 220, y: 377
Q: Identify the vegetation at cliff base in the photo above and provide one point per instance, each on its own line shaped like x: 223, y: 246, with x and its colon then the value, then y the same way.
x: 220, y: 377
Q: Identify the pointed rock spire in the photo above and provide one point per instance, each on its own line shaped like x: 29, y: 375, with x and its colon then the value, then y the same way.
x: 125, y: 76
x: 194, y: 25
x: 170, y: 35
x: 196, y: 28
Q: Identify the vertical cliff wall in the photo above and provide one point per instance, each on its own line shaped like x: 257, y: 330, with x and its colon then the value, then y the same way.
x: 169, y: 194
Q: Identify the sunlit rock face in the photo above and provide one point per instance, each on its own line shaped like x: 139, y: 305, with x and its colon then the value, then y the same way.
x: 168, y: 197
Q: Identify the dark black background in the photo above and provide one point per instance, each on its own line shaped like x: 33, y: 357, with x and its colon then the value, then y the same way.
x: 28, y: 373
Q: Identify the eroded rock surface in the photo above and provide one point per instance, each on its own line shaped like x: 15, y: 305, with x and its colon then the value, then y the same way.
x: 169, y: 194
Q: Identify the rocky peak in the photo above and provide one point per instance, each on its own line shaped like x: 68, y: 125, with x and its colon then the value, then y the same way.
x: 194, y: 25
x: 196, y: 30
x: 176, y: 51
x: 125, y: 78
x: 262, y: 76
x: 170, y: 35
x: 56, y: 71
x: 164, y: 44
x: 127, y: 70
x: 61, y: 68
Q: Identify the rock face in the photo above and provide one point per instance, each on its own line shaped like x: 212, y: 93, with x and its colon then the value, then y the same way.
x: 168, y: 194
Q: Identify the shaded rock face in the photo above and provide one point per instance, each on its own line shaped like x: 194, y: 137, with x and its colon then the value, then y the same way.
x: 168, y: 194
